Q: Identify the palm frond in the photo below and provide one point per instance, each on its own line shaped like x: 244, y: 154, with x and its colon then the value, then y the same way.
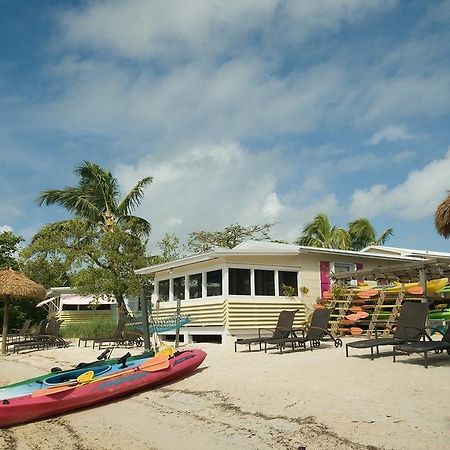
x: 133, y: 199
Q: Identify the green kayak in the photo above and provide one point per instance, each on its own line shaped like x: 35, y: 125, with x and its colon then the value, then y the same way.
x: 99, y: 362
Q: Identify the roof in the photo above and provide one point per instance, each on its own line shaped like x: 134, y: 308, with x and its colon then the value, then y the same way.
x: 251, y: 248
x: 406, y: 251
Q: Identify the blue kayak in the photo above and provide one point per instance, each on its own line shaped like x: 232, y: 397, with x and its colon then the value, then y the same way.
x: 62, y: 378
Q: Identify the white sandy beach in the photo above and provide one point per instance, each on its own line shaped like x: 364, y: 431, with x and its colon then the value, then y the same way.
x: 317, y: 400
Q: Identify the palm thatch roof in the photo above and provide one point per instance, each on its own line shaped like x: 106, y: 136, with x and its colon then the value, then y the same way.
x: 16, y: 285
x: 442, y: 218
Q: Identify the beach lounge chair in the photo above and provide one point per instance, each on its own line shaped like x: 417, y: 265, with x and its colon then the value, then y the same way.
x: 19, y: 334
x: 28, y: 338
x: 409, y: 328
x: 49, y: 338
x: 117, y: 333
x: 425, y: 346
x: 315, y: 333
x: 282, y: 330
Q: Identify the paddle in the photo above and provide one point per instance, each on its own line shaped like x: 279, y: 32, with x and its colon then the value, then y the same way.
x: 151, y: 365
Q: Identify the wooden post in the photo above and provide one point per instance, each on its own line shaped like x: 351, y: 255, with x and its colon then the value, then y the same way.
x: 5, y: 325
x: 177, y: 332
x: 423, y: 282
x: 144, y: 303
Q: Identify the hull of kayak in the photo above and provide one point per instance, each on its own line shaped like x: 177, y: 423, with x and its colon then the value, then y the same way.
x: 442, y: 314
x: 53, y: 379
x: 26, y: 409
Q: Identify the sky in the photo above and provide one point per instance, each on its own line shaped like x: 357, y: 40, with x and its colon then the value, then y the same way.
x: 245, y: 111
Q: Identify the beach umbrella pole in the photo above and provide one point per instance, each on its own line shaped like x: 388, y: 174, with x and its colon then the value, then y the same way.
x: 5, y: 326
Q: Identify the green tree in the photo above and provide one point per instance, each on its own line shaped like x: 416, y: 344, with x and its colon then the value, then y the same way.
x: 103, y: 243
x: 101, y: 262
x: 21, y: 310
x: 320, y: 233
x: 232, y: 235
x: 96, y: 199
x: 169, y: 247
x: 50, y: 271
x: 362, y: 233
x: 9, y: 246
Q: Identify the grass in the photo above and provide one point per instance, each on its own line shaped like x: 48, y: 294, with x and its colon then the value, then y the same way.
x: 93, y: 328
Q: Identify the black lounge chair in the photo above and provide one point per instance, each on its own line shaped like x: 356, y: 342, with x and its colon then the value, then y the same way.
x: 120, y: 337
x: 282, y: 330
x: 50, y: 337
x: 409, y: 328
x: 315, y: 333
x: 425, y: 346
x: 117, y: 333
x: 19, y: 334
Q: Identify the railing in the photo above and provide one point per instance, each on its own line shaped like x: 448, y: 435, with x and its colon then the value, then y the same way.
x: 233, y: 314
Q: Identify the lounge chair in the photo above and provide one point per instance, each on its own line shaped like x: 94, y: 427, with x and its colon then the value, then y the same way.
x: 282, y: 330
x: 19, y: 334
x: 117, y: 333
x: 315, y: 333
x: 409, y: 328
x: 49, y: 338
x: 425, y: 346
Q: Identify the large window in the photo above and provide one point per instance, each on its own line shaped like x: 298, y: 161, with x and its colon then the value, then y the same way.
x: 164, y: 291
x: 214, y: 283
x: 178, y: 288
x: 288, y: 279
x: 264, y: 282
x: 239, y: 281
x: 195, y: 286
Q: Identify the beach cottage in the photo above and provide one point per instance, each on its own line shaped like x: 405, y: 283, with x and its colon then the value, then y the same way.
x: 229, y: 293
x: 63, y: 303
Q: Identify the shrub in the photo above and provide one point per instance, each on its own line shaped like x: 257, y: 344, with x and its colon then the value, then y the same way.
x: 93, y: 328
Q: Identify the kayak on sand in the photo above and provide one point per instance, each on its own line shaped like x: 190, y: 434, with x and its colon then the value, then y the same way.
x: 55, y: 401
x: 106, y: 366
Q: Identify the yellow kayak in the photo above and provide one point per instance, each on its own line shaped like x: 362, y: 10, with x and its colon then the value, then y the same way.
x: 413, y: 288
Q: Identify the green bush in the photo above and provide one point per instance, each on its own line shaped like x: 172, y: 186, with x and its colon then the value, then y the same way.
x: 93, y: 328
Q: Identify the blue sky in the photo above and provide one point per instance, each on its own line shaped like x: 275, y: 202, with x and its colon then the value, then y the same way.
x: 257, y: 111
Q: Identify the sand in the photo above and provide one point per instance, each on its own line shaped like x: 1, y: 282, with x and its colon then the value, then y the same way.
x: 316, y: 400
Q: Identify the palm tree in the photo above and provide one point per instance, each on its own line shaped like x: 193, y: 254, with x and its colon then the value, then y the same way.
x: 320, y: 233
x: 362, y: 233
x: 96, y: 199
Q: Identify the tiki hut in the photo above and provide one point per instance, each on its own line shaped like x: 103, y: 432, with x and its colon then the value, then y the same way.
x: 15, y: 285
x: 442, y: 218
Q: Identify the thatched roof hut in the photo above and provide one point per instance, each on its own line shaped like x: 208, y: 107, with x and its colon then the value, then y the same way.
x: 16, y: 285
x: 442, y: 218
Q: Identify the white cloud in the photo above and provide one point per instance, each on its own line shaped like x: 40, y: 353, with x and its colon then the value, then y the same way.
x: 142, y: 29
x: 212, y: 186
x: 390, y: 134
x: 415, y: 198
x: 4, y: 228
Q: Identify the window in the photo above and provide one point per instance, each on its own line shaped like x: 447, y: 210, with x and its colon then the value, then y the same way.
x: 341, y: 267
x: 264, y: 282
x: 239, y: 281
x: 214, y: 283
x: 69, y: 307
x: 178, y: 288
x: 164, y: 291
x: 287, y: 279
x: 195, y: 286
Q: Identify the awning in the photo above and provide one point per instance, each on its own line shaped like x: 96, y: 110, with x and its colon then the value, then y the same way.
x: 48, y: 300
x: 74, y: 299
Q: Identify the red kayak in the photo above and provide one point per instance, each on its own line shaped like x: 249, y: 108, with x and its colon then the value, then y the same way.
x: 28, y: 408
